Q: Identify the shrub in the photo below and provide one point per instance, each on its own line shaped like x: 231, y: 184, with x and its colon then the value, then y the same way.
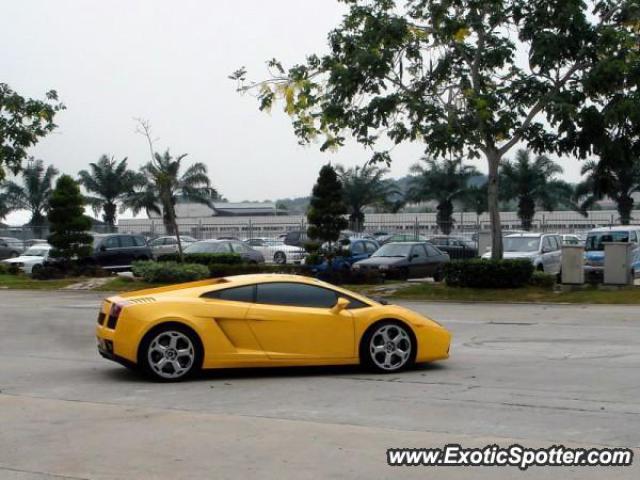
x: 58, y: 270
x: 477, y: 273
x: 544, y: 280
x: 169, y: 272
x: 205, y: 258
x: 4, y: 269
x: 223, y: 270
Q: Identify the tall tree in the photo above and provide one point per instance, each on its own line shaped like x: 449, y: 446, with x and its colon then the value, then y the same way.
x: 533, y: 183
x: 34, y: 192
x: 327, y: 208
x: 449, y: 74
x: 23, y: 121
x: 364, y: 187
x: 475, y: 199
x: 442, y: 181
x: 616, y: 180
x: 69, y: 225
x: 110, y: 182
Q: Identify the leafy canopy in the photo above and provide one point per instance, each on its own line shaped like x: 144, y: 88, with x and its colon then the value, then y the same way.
x: 23, y: 121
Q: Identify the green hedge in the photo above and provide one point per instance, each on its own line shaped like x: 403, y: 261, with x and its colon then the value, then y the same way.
x: 169, y: 272
x: 477, y: 273
x: 205, y: 258
x: 544, y: 280
x: 222, y: 270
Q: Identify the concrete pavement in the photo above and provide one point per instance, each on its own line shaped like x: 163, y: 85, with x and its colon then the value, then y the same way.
x: 536, y: 375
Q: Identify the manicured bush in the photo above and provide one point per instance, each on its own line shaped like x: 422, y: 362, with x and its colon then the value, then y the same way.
x: 205, y: 258
x: 477, y: 273
x: 169, y: 272
x: 544, y: 280
x: 223, y: 270
x: 58, y: 270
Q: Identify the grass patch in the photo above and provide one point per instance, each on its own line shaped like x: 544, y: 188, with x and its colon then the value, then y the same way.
x: 590, y: 295
x: 23, y: 282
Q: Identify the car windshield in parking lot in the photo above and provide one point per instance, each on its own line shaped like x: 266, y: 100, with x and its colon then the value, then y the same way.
x: 595, y: 241
x: 393, y: 250
x: 521, y: 244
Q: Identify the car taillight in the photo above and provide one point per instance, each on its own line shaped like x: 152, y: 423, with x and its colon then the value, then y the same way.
x: 114, y: 314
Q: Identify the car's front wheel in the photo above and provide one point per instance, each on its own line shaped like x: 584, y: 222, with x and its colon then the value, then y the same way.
x: 170, y: 353
x: 280, y: 258
x: 388, y: 347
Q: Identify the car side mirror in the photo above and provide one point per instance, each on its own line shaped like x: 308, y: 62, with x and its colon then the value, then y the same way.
x: 340, y: 305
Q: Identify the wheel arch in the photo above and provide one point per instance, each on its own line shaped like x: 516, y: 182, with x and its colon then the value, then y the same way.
x: 169, y: 322
x: 380, y: 321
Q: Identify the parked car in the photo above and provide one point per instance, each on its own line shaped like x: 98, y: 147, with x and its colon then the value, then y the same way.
x: 32, y: 259
x: 405, y: 237
x: 456, y: 247
x: 247, y: 253
x: 34, y: 241
x: 406, y: 260
x: 276, y: 251
x: 570, y: 239
x: 10, y: 247
x: 543, y: 249
x: 349, y: 251
x: 169, y: 244
x: 117, y: 251
x: 262, y: 320
x: 594, y: 249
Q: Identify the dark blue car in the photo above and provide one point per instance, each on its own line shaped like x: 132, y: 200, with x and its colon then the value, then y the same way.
x: 349, y: 251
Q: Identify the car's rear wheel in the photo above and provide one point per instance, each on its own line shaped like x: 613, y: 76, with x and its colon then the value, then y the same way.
x: 388, y: 347
x: 36, y: 269
x: 170, y: 353
x: 280, y: 258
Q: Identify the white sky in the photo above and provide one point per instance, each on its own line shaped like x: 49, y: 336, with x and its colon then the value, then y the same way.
x: 168, y: 61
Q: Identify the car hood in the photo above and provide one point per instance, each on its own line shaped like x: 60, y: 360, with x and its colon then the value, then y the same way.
x: 24, y: 259
x: 382, y: 261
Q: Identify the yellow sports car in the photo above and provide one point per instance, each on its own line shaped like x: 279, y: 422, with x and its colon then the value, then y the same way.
x: 261, y: 320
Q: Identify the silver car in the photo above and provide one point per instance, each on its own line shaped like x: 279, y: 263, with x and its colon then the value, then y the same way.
x: 247, y: 253
x: 10, y: 247
x: 169, y: 244
x: 544, y: 250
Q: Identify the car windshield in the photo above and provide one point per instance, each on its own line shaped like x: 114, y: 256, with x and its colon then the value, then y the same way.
x: 596, y: 240
x: 36, y: 252
x: 521, y: 244
x: 393, y: 250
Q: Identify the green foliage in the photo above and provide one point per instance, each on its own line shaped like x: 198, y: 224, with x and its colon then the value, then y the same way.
x: 169, y: 272
x: 23, y: 122
x: 68, y: 224
x: 543, y: 280
x: 533, y: 183
x: 34, y: 192
x: 442, y: 181
x: 206, y: 258
x: 478, y: 273
x: 225, y: 270
x: 449, y: 74
x: 109, y: 182
x: 364, y: 187
x: 327, y: 208
x: 4, y: 269
x: 72, y: 269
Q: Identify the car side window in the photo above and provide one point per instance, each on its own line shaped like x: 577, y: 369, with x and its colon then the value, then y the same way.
x: 156, y: 242
x: 222, y: 247
x: 245, y: 294
x: 112, y: 242
x: 371, y: 247
x: 357, y: 248
x: 126, y: 241
x: 632, y: 237
x: 239, y: 247
x: 419, y: 251
x: 546, y: 244
x: 432, y: 251
x: 295, y: 295
x: 3, y: 243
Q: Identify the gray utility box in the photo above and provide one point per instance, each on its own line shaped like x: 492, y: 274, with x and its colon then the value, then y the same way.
x: 573, y: 264
x: 617, y: 261
x: 484, y: 242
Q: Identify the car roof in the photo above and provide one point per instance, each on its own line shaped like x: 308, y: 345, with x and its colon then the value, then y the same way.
x: 617, y: 228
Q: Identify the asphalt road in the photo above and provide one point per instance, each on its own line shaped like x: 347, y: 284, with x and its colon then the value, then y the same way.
x: 535, y: 375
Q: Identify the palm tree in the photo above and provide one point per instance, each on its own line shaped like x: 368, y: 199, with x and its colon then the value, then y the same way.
x: 533, y: 184
x: 364, y: 187
x: 618, y: 180
x: 442, y: 181
x: 110, y: 182
x: 165, y: 185
x: 476, y: 199
x: 34, y: 193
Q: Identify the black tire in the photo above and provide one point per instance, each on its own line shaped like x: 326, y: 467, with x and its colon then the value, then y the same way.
x: 540, y: 268
x: 437, y: 276
x: 36, y: 269
x: 167, y: 329
x: 368, y: 357
x: 280, y: 258
x: 404, y: 273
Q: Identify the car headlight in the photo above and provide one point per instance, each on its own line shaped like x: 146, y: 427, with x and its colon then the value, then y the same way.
x: 356, y: 267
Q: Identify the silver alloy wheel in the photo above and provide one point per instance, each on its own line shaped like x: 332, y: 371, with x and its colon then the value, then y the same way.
x: 280, y: 258
x: 171, y: 354
x: 390, y: 347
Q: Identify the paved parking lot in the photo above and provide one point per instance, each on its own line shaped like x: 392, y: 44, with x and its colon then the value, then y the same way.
x: 536, y: 375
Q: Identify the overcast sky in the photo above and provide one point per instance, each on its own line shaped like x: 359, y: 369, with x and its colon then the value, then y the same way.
x: 168, y: 61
